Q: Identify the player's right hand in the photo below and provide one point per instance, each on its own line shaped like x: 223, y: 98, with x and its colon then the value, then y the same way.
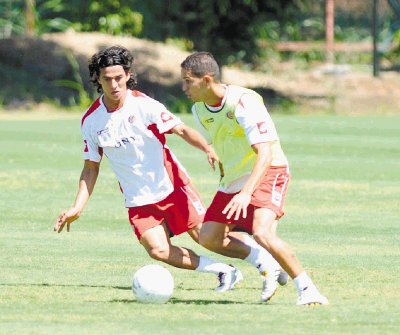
x: 237, y: 206
x: 212, y: 157
x: 66, y: 218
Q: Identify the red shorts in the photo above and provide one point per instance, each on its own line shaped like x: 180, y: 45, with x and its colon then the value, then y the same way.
x: 269, y: 194
x: 182, y: 210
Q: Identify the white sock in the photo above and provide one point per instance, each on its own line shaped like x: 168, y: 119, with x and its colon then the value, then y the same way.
x: 259, y: 257
x: 208, y: 265
x: 303, y: 281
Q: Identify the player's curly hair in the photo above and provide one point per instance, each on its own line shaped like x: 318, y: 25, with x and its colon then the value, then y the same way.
x: 201, y: 63
x: 115, y: 55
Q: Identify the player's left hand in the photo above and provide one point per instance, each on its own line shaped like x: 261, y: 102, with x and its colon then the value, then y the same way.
x: 238, y: 205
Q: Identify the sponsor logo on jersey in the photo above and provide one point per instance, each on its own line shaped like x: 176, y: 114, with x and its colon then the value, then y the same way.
x: 123, y: 141
x: 262, y: 127
x: 166, y: 116
x: 210, y: 120
x: 131, y: 119
x: 103, y: 131
x: 106, y: 139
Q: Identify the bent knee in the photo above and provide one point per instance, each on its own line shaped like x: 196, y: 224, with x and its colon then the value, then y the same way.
x: 264, y: 238
x: 209, y: 241
x: 212, y: 235
x: 205, y: 240
x: 159, y: 254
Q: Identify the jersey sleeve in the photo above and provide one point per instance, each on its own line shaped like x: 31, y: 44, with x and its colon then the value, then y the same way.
x: 254, y: 118
x: 162, y: 117
x: 91, y: 149
x: 203, y: 131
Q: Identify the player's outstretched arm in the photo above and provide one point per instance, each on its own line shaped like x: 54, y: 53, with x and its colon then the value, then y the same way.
x: 193, y: 137
x: 87, y: 182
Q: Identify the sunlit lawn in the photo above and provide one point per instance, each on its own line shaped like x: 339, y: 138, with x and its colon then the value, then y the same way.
x: 343, y: 214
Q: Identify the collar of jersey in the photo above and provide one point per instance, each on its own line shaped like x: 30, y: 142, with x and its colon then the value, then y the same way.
x: 216, y: 109
x: 113, y: 110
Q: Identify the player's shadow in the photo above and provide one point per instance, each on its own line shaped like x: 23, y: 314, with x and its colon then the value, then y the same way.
x: 205, y: 302
x: 174, y: 301
x: 187, y: 302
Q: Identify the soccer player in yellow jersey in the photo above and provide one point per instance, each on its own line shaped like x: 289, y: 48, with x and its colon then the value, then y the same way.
x: 254, y: 171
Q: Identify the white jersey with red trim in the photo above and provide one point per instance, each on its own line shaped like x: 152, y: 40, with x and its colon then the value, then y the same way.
x: 133, y: 139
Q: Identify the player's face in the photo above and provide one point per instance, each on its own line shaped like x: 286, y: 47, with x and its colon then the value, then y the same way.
x: 113, y: 81
x: 195, y: 88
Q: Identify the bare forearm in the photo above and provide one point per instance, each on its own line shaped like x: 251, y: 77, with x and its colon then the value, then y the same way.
x: 86, y: 185
x: 261, y: 165
x: 192, y: 137
x: 87, y: 181
x: 82, y: 196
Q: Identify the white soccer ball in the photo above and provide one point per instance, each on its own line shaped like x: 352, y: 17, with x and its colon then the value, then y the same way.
x: 153, y: 284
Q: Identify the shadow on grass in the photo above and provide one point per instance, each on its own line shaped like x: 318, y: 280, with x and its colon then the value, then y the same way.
x: 127, y: 288
x: 133, y: 301
x: 175, y: 301
x: 69, y: 285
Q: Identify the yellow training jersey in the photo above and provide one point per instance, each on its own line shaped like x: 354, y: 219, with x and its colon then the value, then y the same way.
x: 242, y: 120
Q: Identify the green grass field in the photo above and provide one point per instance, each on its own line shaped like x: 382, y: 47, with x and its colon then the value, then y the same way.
x: 343, y: 214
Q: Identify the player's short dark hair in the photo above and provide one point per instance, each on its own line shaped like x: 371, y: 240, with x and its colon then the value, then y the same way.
x: 202, y: 63
x: 115, y: 55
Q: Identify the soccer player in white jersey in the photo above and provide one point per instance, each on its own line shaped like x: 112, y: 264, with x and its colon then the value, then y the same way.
x: 129, y: 128
x: 256, y: 172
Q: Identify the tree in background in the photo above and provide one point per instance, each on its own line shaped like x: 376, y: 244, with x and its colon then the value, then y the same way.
x: 36, y: 17
x: 230, y: 29
x: 30, y: 17
x: 107, y: 16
